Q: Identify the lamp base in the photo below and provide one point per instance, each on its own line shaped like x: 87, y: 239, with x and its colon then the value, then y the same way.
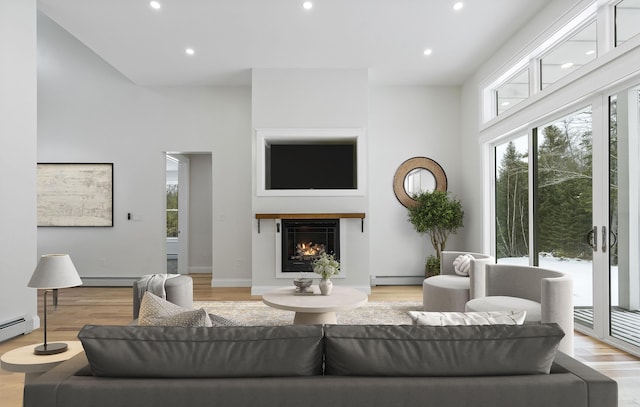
x: 50, y: 348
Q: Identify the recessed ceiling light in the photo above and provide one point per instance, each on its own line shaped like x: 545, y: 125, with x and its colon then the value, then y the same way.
x: 155, y: 5
x: 428, y: 51
x: 190, y: 51
x: 590, y: 52
x: 307, y: 5
x: 566, y: 65
x: 458, y: 6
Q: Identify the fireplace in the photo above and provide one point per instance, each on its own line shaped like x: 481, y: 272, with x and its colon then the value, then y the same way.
x: 303, y: 240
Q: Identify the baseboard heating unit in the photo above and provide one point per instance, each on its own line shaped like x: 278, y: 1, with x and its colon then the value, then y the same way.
x: 14, y: 327
x: 396, y: 280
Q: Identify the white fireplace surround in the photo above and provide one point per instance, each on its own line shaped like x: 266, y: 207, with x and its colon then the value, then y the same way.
x: 267, y: 136
x: 343, y: 253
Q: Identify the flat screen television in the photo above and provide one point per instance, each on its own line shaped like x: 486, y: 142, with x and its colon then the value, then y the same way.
x: 311, y: 166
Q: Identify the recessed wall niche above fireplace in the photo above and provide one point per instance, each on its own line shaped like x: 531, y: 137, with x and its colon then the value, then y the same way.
x: 310, y: 162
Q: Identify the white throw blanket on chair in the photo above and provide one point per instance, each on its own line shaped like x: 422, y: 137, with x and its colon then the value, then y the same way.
x: 154, y: 283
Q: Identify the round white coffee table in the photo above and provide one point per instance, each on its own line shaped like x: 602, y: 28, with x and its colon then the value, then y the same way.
x: 315, y: 309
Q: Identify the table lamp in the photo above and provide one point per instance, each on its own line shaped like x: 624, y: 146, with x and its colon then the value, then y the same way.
x: 52, y: 272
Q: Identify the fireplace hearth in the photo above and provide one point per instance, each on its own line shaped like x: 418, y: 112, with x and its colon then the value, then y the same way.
x: 304, y: 240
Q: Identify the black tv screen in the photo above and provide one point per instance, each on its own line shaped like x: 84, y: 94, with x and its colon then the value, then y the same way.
x: 311, y: 166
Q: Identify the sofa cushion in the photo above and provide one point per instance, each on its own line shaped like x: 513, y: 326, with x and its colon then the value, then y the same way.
x: 156, y: 311
x: 476, y: 350
x: 506, y: 303
x: 467, y: 318
x: 158, y: 351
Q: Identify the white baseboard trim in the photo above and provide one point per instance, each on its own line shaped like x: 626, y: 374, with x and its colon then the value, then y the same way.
x: 109, y: 281
x: 261, y: 289
x: 200, y: 270
x: 396, y: 280
x: 230, y: 282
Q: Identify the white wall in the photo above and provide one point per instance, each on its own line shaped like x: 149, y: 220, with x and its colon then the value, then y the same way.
x: 309, y: 98
x: 18, y: 130
x: 406, y: 122
x: 88, y: 112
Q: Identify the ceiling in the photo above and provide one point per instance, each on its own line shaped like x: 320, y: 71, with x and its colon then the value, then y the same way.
x: 230, y: 37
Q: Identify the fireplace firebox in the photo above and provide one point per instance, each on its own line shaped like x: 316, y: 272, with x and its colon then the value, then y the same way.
x: 304, y: 240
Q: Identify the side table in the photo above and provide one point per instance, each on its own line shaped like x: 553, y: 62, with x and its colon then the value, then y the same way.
x: 23, y: 360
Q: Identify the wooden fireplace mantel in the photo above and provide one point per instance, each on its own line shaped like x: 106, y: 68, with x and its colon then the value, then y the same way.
x: 360, y: 216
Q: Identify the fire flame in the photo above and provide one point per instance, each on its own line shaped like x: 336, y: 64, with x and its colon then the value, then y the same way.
x: 309, y: 249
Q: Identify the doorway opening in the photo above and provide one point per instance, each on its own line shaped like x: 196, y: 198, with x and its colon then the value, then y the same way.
x: 173, y: 215
x: 189, y: 212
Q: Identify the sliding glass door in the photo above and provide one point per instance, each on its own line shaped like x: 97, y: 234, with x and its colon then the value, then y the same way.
x: 563, y: 203
x: 624, y: 218
x: 554, y: 172
x: 567, y: 197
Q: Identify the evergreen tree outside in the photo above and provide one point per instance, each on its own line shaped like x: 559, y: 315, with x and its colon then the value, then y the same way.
x: 613, y: 177
x: 564, y: 188
x: 172, y: 210
x: 512, y: 204
x: 563, y: 191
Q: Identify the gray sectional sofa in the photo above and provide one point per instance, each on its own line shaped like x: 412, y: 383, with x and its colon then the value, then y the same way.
x: 334, y: 365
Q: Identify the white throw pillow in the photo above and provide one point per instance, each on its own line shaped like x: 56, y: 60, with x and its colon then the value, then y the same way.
x: 468, y: 318
x: 462, y: 264
x: 154, y: 311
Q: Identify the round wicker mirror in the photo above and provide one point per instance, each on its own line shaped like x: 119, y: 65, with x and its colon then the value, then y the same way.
x: 417, y: 174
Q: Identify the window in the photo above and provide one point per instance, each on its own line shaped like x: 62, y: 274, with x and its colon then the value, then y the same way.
x: 564, y: 51
x: 172, y: 210
x: 568, y: 56
x: 512, y: 92
x: 627, y: 14
x: 563, y: 187
x: 512, y: 200
x: 172, y: 196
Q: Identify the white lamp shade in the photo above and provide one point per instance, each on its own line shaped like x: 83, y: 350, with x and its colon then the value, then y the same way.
x: 55, y: 271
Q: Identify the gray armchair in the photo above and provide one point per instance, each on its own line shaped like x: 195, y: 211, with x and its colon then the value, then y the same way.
x: 546, y: 296
x: 450, y: 291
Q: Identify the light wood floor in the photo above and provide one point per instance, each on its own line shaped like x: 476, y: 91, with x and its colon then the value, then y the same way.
x: 113, y: 305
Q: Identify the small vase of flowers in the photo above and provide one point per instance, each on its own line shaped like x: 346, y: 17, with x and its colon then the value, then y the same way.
x: 326, y: 265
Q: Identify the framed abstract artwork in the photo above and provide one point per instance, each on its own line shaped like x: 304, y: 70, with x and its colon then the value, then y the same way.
x: 75, y: 194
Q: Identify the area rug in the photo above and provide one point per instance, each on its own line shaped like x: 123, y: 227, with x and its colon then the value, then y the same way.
x: 257, y: 313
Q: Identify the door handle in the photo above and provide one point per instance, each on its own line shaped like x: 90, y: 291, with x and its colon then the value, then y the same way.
x: 604, y: 239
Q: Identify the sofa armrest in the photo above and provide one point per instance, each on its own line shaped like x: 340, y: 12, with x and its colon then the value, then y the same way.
x: 601, y: 390
x: 42, y: 391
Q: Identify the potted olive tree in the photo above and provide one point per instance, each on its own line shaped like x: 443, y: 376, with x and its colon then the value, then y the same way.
x: 437, y: 214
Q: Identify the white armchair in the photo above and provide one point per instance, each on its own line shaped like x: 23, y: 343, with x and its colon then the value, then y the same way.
x: 546, y: 296
x: 450, y: 291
